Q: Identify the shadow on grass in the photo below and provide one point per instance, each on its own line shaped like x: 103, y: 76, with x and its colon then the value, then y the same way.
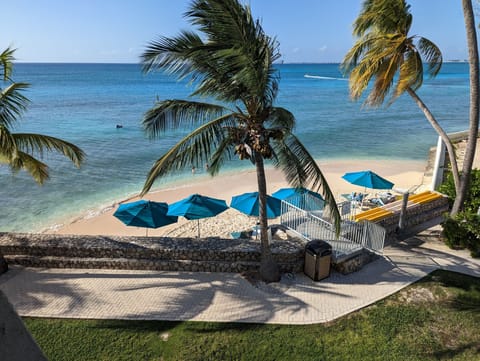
x: 450, y: 353
x: 467, y: 302
x: 136, y: 326
x: 468, y: 298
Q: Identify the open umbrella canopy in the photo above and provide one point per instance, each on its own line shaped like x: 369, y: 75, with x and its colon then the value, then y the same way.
x: 367, y: 179
x: 301, y: 197
x: 144, y: 213
x: 197, y: 206
x: 248, y: 203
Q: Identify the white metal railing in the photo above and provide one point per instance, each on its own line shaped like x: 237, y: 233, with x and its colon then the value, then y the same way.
x: 353, y: 235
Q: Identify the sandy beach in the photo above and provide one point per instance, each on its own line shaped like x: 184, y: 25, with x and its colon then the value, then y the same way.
x: 404, y: 174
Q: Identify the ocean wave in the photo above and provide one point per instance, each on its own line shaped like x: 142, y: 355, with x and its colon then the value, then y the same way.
x: 322, y: 77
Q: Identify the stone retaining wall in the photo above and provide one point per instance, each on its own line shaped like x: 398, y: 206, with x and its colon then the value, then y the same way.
x: 416, y: 215
x: 150, y: 253
x: 176, y: 254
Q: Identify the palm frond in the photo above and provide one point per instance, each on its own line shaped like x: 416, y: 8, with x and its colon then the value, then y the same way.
x: 357, y: 55
x: 233, y: 62
x: 431, y: 55
x: 175, y: 114
x: 196, y: 148
x: 385, y: 74
x: 8, y: 147
x: 357, y: 51
x: 381, y: 60
x: 6, y: 63
x: 301, y: 170
x: 37, y: 169
x: 411, y: 72
x: 171, y: 54
x: 225, y: 151
x: 281, y: 118
x: 384, y: 51
x: 12, y: 103
x: 38, y: 143
x: 385, y: 16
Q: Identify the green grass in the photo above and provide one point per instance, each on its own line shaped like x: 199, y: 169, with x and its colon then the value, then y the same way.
x: 437, y: 318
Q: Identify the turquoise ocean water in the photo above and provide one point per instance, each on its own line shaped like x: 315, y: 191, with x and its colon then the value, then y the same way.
x: 82, y: 103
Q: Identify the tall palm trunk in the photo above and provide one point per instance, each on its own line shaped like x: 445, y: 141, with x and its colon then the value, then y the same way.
x: 474, y: 107
x: 448, y: 143
x: 269, y: 270
x: 262, y: 199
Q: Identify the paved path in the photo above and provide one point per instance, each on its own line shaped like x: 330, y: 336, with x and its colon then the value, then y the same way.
x: 223, y: 297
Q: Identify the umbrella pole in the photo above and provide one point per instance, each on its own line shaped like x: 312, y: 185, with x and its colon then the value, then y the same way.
x: 146, y: 232
x: 364, y: 195
x: 198, y: 227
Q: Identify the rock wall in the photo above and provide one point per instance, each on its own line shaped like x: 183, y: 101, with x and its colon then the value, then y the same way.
x: 150, y: 253
x: 416, y: 215
x: 355, y: 262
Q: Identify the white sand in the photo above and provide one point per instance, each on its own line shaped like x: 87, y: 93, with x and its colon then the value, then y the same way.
x: 404, y: 174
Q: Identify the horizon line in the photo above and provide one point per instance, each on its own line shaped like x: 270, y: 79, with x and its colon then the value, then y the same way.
x: 132, y: 63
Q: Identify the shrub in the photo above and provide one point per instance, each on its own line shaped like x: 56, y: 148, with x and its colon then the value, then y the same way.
x: 463, y: 230
x: 472, y: 201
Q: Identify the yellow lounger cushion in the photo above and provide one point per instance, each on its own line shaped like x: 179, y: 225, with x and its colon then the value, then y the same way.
x: 373, y: 216
x: 427, y: 198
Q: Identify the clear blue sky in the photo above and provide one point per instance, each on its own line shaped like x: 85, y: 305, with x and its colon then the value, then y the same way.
x: 117, y: 31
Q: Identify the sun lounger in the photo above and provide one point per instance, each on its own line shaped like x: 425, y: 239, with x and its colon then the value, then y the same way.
x: 379, y: 213
x: 374, y: 214
x: 424, y: 197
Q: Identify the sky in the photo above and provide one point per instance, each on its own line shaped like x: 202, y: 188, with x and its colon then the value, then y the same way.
x: 118, y: 31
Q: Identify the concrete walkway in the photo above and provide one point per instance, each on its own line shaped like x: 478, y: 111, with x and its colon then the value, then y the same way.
x: 224, y: 297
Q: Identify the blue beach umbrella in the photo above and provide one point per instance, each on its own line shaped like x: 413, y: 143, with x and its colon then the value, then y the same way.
x: 248, y: 203
x: 144, y: 213
x: 301, y: 197
x: 367, y: 179
x: 196, y: 207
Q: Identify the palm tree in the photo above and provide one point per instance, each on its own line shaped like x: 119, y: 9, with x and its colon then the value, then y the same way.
x: 231, y: 61
x: 474, y: 106
x: 386, y: 54
x: 18, y: 150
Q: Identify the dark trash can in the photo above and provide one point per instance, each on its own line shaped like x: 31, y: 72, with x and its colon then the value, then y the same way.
x: 318, y: 255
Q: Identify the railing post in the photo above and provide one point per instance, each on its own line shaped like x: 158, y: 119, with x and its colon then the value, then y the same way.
x: 364, y: 235
x: 403, y: 211
x: 438, y: 166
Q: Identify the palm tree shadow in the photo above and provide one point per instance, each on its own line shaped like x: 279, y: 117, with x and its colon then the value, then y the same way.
x: 149, y: 295
x: 448, y: 353
x: 40, y: 290
x: 428, y: 246
x: 202, y: 297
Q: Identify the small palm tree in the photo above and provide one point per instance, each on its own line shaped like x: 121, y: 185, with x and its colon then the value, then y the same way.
x: 18, y: 150
x: 231, y: 62
x: 388, y: 55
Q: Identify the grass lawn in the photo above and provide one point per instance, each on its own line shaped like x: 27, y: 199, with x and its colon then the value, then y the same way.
x: 437, y: 318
